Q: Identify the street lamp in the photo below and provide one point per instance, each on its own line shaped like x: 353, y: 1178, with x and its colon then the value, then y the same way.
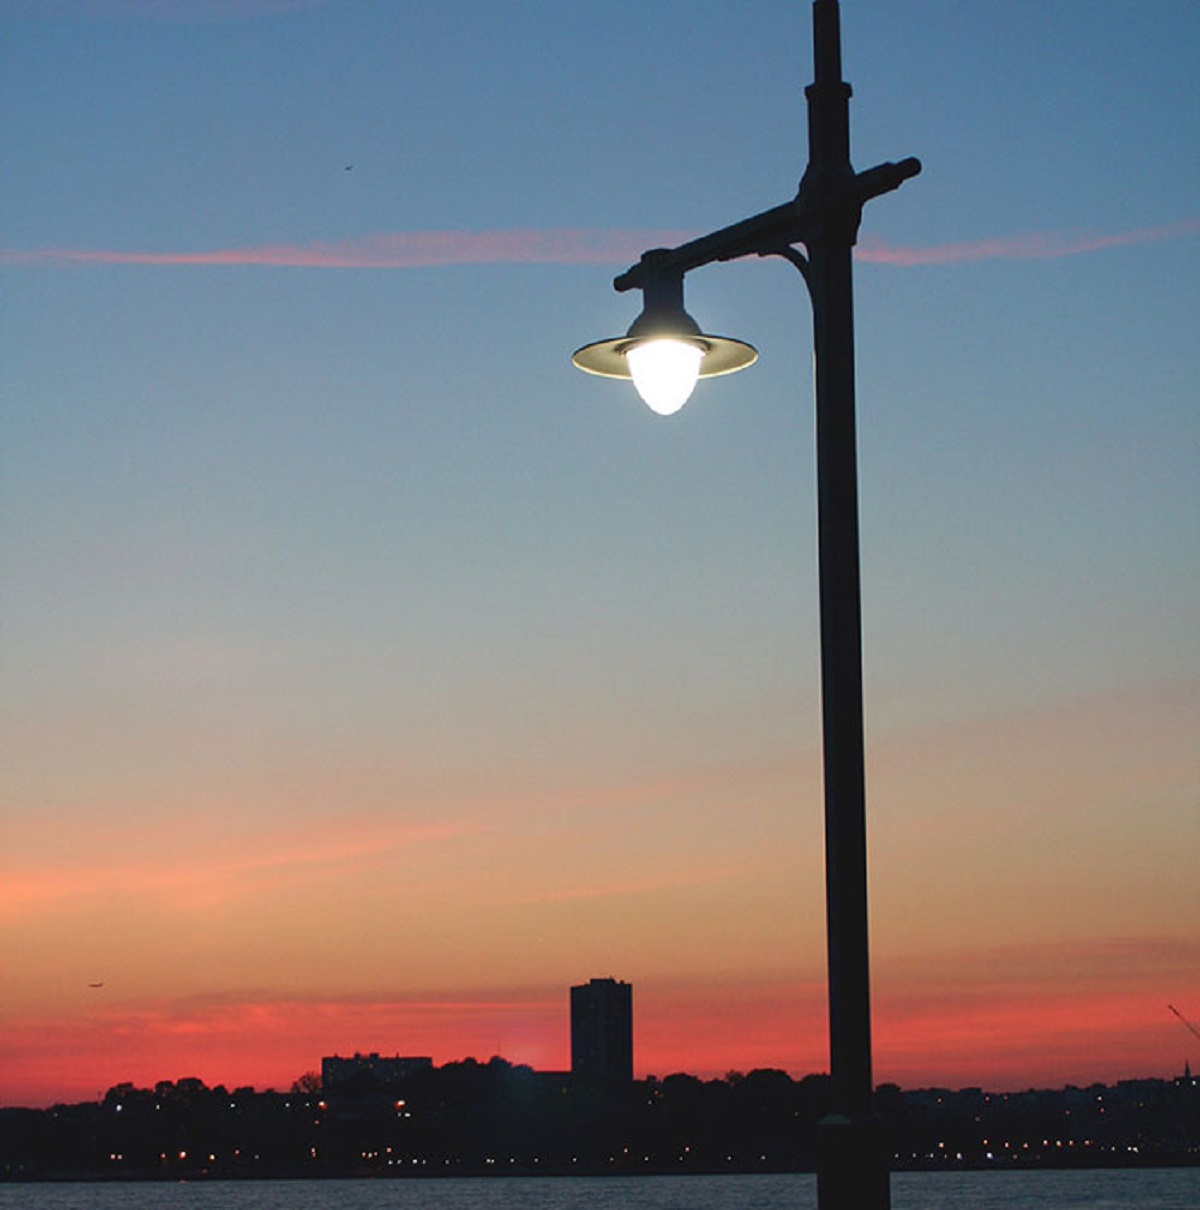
x: 664, y: 351
x: 852, y: 1170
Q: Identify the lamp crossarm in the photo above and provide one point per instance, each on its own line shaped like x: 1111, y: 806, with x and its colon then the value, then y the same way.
x: 822, y: 197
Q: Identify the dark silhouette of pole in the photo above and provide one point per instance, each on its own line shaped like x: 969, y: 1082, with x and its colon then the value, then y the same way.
x: 824, y: 217
x: 852, y: 1169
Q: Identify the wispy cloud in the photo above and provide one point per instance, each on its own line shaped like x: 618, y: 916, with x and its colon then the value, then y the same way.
x: 399, y: 250
x: 650, y: 884
x: 161, y: 10
x: 567, y: 246
x: 1032, y: 246
x: 241, y: 867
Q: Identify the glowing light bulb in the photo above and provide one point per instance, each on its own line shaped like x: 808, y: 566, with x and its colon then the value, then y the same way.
x: 664, y: 371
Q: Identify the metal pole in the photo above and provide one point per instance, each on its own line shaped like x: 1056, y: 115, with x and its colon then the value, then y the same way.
x: 852, y: 1169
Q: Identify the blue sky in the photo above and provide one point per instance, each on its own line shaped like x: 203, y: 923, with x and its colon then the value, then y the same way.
x: 292, y: 550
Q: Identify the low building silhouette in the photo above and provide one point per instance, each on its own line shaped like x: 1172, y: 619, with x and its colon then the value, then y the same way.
x: 370, y: 1071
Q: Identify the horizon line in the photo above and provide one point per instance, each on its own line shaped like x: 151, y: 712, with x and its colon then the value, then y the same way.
x: 702, y: 1074
x: 570, y: 246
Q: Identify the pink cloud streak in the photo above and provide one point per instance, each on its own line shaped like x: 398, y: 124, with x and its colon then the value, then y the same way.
x: 568, y: 246
x: 400, y: 250
x: 1035, y: 246
x: 170, y: 10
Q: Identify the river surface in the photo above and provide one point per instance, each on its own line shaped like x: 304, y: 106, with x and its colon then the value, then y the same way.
x: 1146, y: 1189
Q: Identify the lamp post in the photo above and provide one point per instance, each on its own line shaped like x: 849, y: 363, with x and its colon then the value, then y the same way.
x: 665, y: 352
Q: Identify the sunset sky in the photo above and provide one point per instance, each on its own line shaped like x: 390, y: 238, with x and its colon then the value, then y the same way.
x: 370, y: 675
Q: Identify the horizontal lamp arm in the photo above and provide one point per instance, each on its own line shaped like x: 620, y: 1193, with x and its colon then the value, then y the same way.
x: 741, y: 239
x: 794, y: 222
x: 883, y: 178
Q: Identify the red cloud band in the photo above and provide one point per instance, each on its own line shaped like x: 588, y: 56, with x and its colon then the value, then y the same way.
x: 402, y: 250
x: 1021, y: 247
x: 565, y: 246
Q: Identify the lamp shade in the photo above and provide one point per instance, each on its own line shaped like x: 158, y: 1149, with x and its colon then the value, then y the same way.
x: 664, y: 351
x: 659, y: 351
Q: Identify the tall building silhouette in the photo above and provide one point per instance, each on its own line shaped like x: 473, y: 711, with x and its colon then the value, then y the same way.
x: 602, y: 1032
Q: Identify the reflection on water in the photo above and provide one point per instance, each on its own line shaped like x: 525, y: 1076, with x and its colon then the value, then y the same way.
x: 1155, y: 1189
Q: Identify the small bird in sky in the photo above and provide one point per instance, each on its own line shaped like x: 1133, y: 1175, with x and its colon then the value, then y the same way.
x: 349, y: 168
x: 96, y: 984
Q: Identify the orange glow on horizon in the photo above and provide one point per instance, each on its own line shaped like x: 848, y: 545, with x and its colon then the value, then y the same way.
x: 241, y: 947
x: 925, y: 1036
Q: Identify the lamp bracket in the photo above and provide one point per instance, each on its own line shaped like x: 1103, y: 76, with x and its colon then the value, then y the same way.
x: 824, y: 198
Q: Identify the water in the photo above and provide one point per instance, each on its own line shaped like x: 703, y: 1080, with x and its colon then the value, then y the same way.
x: 1153, y: 1189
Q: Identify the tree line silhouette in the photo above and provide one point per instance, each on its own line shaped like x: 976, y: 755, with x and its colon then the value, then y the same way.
x: 473, y: 1118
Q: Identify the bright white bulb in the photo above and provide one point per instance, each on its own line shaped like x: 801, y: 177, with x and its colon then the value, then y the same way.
x: 665, y: 372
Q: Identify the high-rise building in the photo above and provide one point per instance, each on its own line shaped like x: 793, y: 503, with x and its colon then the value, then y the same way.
x: 602, y: 1032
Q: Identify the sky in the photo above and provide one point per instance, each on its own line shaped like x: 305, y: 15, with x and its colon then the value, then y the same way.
x: 371, y: 676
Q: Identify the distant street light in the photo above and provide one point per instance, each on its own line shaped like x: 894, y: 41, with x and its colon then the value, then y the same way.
x: 664, y: 352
